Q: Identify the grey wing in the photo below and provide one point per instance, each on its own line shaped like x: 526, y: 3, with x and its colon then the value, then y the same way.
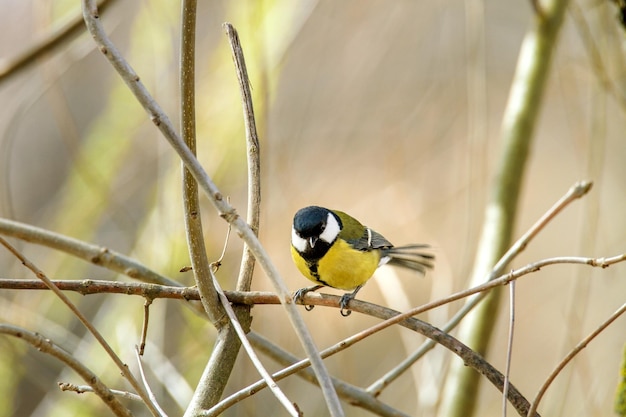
x: 371, y: 240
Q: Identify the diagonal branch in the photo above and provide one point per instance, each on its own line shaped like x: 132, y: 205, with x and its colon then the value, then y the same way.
x: 97, y: 255
x: 90, y: 327
x: 580, y: 346
x: 225, y: 210
x: 241, y: 333
x: 390, y: 317
x: 45, y: 345
x: 575, y: 192
x: 53, y: 40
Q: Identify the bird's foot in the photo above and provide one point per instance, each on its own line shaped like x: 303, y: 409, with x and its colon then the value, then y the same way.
x: 298, y: 296
x: 343, y: 304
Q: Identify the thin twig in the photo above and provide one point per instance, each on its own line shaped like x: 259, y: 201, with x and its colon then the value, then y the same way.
x: 254, y: 156
x: 509, y: 348
x: 278, y: 393
x: 580, y: 346
x: 105, y: 345
x: 226, y: 211
x: 45, y: 345
x: 144, y: 326
x: 217, y: 264
x: 153, y: 399
x: 354, y: 395
x: 62, y: 35
x: 575, y: 192
x: 81, y: 389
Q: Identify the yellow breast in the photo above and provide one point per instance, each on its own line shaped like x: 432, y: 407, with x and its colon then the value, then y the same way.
x: 341, y: 267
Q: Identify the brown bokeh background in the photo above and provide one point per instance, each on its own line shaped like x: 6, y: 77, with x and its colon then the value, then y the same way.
x: 389, y: 111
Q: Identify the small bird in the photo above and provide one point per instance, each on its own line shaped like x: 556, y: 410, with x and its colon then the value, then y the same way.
x: 333, y: 249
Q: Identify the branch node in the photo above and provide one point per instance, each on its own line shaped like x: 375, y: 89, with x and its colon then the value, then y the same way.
x: 156, y: 119
x: 230, y: 216
x: 97, y: 259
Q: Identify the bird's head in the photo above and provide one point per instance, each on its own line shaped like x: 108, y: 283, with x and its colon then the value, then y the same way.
x: 314, y: 230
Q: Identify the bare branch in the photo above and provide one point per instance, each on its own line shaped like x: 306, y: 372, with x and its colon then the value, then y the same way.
x: 518, y: 126
x: 388, y: 315
x: 278, y: 393
x: 226, y: 211
x: 509, y: 347
x: 45, y: 345
x: 254, y: 157
x: 40, y: 49
x: 116, y: 359
x: 193, y: 220
x: 154, y: 291
x: 81, y: 389
x: 97, y: 255
x: 90, y: 286
x: 151, y: 395
x: 352, y: 394
x: 144, y: 326
x: 580, y: 346
x: 575, y: 192
x: 469, y: 357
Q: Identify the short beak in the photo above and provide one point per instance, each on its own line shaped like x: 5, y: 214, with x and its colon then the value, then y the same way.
x: 313, y: 241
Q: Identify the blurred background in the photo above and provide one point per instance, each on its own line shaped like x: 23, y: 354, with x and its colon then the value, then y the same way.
x: 390, y: 111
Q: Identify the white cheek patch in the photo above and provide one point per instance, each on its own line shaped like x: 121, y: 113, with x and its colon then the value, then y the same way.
x: 297, y: 242
x: 332, y: 229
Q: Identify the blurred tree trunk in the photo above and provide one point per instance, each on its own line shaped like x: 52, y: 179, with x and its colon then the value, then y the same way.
x: 519, y: 120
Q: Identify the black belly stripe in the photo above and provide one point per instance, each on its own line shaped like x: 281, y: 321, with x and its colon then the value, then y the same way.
x: 313, y: 270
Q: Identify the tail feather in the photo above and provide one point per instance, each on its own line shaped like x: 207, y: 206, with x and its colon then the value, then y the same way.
x: 410, y: 256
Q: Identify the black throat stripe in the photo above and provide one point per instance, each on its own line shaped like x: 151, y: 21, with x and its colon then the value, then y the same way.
x: 313, y: 270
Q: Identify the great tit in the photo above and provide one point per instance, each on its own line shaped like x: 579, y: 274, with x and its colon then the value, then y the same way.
x: 335, y: 250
